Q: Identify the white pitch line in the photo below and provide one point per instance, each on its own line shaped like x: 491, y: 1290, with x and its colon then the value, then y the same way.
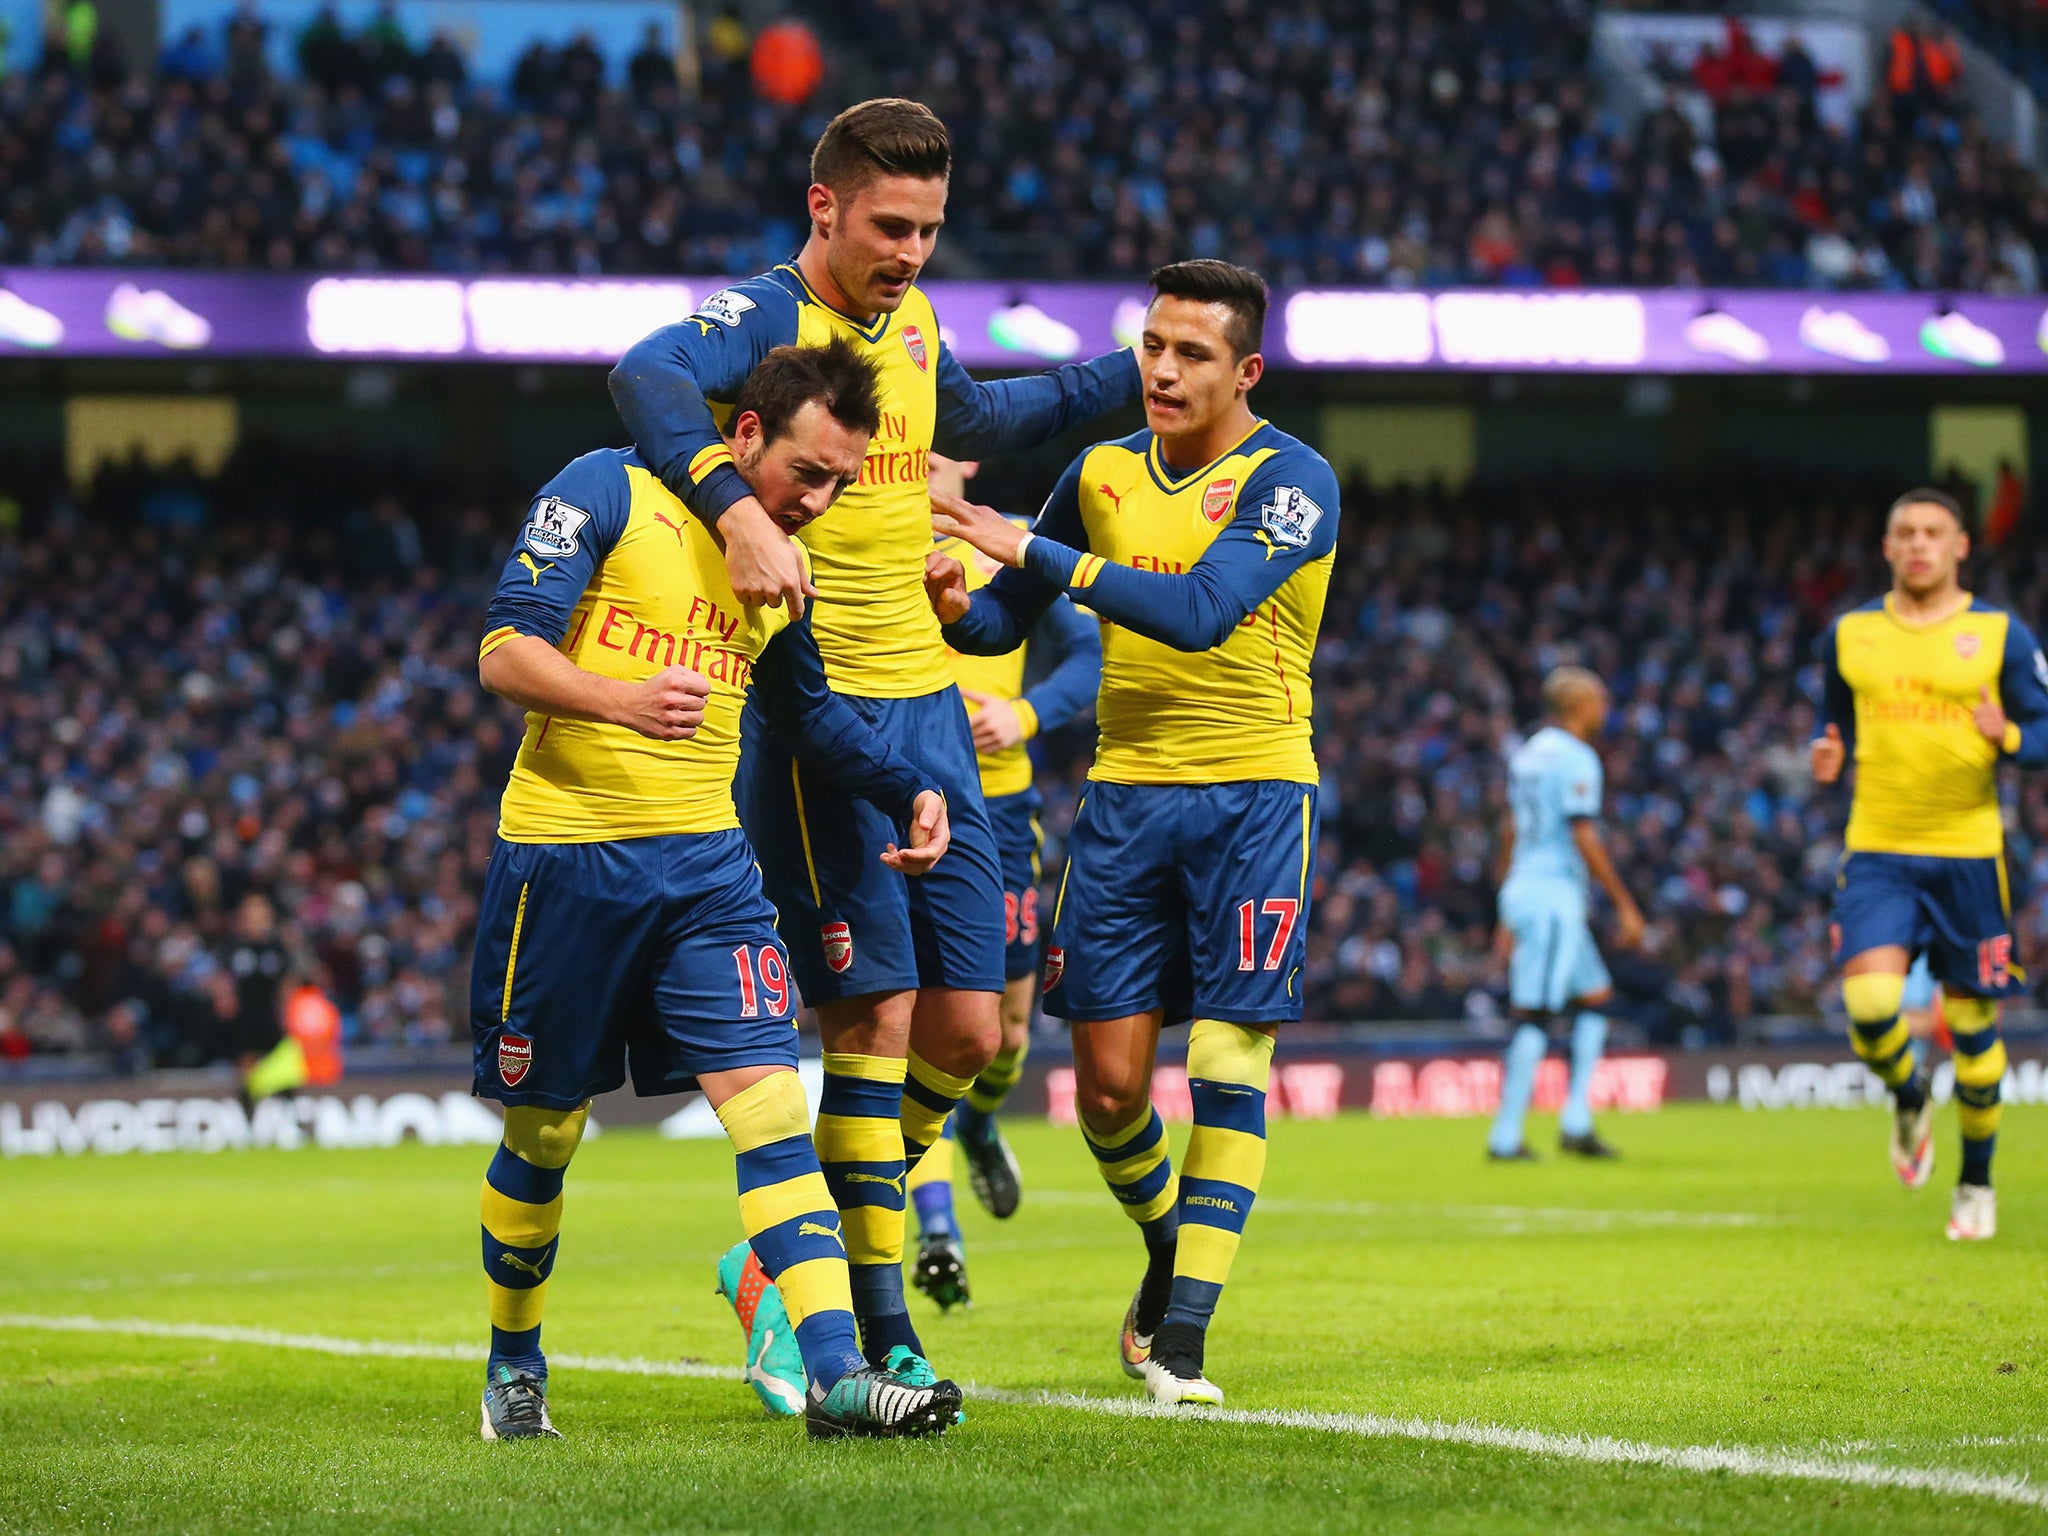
x: 1584, y: 1216
x: 1743, y: 1461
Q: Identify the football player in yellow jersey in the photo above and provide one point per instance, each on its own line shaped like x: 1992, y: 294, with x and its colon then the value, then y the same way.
x: 1005, y: 716
x: 1204, y: 544
x: 1930, y: 689
x: 622, y: 919
x: 906, y: 977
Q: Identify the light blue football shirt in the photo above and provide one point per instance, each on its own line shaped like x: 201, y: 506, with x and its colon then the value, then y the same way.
x: 1552, y: 781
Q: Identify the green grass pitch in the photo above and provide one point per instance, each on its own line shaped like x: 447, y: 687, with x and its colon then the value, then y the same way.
x: 1755, y: 1285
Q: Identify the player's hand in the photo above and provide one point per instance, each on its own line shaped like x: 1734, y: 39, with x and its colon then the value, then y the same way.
x: 945, y: 584
x: 983, y: 527
x: 1990, y: 719
x: 1628, y: 926
x: 930, y: 834
x: 669, y: 706
x: 1827, y: 754
x: 761, y: 560
x: 995, y: 724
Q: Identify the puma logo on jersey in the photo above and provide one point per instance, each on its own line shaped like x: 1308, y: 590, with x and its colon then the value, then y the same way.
x: 527, y: 560
x: 673, y: 527
x: 819, y: 1229
x: 1115, y: 496
x: 876, y: 1178
x: 518, y: 1263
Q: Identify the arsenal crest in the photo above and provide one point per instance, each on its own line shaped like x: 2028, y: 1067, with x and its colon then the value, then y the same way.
x: 838, y: 941
x: 1966, y: 645
x: 1055, y: 966
x: 1216, y: 499
x: 913, y: 343
x: 515, y: 1059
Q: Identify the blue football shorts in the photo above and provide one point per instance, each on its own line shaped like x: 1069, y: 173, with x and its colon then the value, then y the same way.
x: 1956, y: 912
x: 853, y: 925
x: 654, y: 952
x: 1189, y: 898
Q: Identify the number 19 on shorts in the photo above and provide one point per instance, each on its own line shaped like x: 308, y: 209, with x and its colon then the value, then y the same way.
x: 1282, y: 912
x: 773, y: 984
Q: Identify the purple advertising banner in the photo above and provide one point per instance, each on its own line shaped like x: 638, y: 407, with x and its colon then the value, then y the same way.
x: 115, y: 313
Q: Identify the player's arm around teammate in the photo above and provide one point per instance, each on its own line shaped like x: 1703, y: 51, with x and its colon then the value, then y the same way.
x: 1929, y: 691
x: 876, y: 204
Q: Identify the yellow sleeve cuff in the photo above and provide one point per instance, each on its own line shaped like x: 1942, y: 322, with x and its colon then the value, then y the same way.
x: 2012, y: 737
x: 494, y: 639
x: 1027, y: 717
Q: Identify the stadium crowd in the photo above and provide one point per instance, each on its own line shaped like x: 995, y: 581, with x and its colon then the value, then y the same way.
x: 245, y: 750
x: 1380, y: 141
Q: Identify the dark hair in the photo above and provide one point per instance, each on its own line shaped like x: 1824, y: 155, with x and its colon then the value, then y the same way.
x: 835, y: 375
x: 1238, y: 289
x: 1932, y: 497
x: 884, y: 137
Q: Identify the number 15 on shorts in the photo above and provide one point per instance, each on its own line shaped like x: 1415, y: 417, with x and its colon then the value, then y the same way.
x: 1283, y: 912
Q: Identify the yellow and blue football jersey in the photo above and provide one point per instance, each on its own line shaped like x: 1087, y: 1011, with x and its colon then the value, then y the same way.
x: 612, y: 571
x: 874, y: 625
x: 1904, y: 697
x: 1210, y: 584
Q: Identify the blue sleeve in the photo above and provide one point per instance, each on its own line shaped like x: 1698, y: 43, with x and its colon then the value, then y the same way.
x: 822, y: 729
x: 2023, y: 691
x: 1008, y: 608
x: 1837, y: 699
x: 571, y: 526
x: 1286, y: 517
x: 1071, y: 685
x: 664, y: 385
x: 978, y: 421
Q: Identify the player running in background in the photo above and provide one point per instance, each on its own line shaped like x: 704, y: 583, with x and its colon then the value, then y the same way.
x: 1204, y: 543
x: 906, y: 977
x: 1004, y: 717
x: 1552, y: 845
x: 622, y: 919
x: 1930, y: 689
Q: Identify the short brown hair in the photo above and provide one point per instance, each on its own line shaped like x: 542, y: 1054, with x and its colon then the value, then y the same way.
x: 835, y: 375
x: 884, y: 137
x: 1933, y: 498
x: 1238, y: 289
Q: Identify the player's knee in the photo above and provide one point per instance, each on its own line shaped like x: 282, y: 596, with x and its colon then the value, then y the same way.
x: 1229, y: 1053
x: 547, y: 1138
x: 1107, y: 1106
x: 1873, y: 997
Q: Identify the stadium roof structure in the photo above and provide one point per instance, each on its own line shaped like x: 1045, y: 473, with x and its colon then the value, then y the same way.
x: 139, y: 313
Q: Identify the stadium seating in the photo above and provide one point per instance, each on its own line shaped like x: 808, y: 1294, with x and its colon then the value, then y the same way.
x: 1392, y: 141
x: 228, y: 704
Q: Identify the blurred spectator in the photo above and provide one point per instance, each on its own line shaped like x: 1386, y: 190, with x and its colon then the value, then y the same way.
x: 1380, y: 141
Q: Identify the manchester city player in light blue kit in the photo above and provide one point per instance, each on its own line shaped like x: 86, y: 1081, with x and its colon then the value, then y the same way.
x: 1554, y: 967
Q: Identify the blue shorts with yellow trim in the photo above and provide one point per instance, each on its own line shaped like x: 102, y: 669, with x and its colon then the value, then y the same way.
x: 654, y: 952
x: 1189, y: 898
x: 853, y: 925
x: 1014, y: 819
x: 1957, y: 912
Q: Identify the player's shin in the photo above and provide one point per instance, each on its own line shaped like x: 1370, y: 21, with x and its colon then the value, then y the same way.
x: 790, y: 1222
x: 1134, y: 1164
x: 1880, y: 1036
x: 928, y: 1098
x: 522, y: 1222
x: 860, y: 1145
x: 1589, y: 1039
x: 1980, y: 1073
x: 1526, y: 1048
x: 1229, y: 1067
